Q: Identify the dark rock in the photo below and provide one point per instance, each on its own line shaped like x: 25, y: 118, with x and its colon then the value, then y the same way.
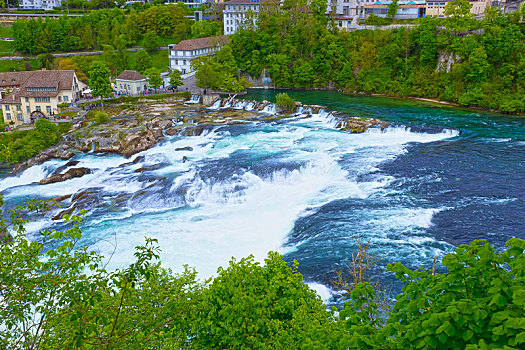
x: 65, y: 166
x: 138, y: 159
x: 67, y: 155
x: 172, y: 131
x: 61, y: 198
x: 150, y: 167
x: 187, y: 148
x: 142, y: 141
x: 71, y: 173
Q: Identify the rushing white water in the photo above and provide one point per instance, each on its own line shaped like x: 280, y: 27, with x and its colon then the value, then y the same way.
x: 270, y: 109
x: 216, y: 104
x: 241, y: 191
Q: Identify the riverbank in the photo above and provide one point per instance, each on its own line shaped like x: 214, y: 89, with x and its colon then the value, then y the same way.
x: 422, y: 99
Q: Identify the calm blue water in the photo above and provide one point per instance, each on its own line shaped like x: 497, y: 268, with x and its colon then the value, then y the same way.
x: 439, y: 178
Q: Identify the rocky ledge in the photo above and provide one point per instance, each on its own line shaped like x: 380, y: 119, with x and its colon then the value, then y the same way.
x: 138, y: 129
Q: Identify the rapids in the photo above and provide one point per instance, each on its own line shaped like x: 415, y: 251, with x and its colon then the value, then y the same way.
x: 301, y: 187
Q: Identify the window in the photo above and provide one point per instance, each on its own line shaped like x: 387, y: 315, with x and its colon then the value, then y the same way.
x: 138, y: 88
x: 19, y: 116
x: 28, y: 110
x: 38, y: 108
x: 18, y: 107
x: 41, y: 89
x: 6, y: 107
x: 59, y: 98
x: 48, y: 109
x: 42, y: 99
x: 66, y: 98
x: 184, y: 62
x: 129, y: 87
x: 8, y: 115
x: 27, y: 99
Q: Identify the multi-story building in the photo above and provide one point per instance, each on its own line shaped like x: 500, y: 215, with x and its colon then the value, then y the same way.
x: 237, y: 13
x: 437, y: 8
x: 348, y: 11
x: 39, y: 4
x: 180, y: 55
x: 39, y: 94
x: 192, y: 4
x: 405, y: 9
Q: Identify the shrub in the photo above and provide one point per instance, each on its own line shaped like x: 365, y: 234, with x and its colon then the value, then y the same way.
x: 101, y: 117
x: 285, y: 103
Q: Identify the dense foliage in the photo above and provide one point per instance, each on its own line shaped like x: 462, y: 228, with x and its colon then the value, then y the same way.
x: 56, y: 293
x: 459, y: 59
x: 19, y: 145
x: 99, y: 28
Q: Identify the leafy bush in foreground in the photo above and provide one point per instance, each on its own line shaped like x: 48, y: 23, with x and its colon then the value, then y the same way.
x: 56, y: 293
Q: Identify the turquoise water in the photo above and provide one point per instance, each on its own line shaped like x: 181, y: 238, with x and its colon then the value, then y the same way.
x: 437, y: 178
x: 408, y: 112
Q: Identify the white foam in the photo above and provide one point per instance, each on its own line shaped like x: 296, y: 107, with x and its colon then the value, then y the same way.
x: 323, y: 291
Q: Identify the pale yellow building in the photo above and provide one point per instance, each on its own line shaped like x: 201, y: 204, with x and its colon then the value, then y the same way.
x: 39, y: 95
x: 130, y: 82
x: 437, y: 8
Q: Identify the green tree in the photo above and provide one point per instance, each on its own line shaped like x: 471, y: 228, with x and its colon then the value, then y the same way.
x: 254, y: 306
x: 151, y: 41
x: 175, y: 78
x: 202, y: 29
x: 459, y: 13
x: 46, y: 60
x: 285, y: 103
x: 154, y: 78
x: 392, y: 9
x: 99, y: 82
x: 47, y: 131
x: 143, y: 61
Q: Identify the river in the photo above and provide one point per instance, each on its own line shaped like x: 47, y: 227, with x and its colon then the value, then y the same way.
x: 437, y: 178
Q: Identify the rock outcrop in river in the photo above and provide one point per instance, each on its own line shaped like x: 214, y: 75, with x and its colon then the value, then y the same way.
x: 142, y: 126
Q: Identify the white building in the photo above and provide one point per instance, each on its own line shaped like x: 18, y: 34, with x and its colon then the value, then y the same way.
x: 130, y: 82
x: 192, y: 4
x: 180, y: 55
x: 236, y: 14
x: 348, y: 10
x: 405, y: 10
x: 39, y: 4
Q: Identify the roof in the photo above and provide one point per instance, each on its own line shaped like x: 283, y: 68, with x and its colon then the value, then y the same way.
x: 13, y: 78
x: 59, y: 79
x: 130, y: 75
x: 62, y: 79
x: 202, y: 43
x: 12, y: 98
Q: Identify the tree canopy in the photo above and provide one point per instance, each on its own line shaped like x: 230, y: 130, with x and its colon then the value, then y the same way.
x: 56, y: 293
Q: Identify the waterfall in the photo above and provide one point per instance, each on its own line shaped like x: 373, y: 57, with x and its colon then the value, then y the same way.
x: 270, y: 109
x: 194, y: 99
x: 249, y: 106
x: 240, y: 105
x: 216, y: 104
